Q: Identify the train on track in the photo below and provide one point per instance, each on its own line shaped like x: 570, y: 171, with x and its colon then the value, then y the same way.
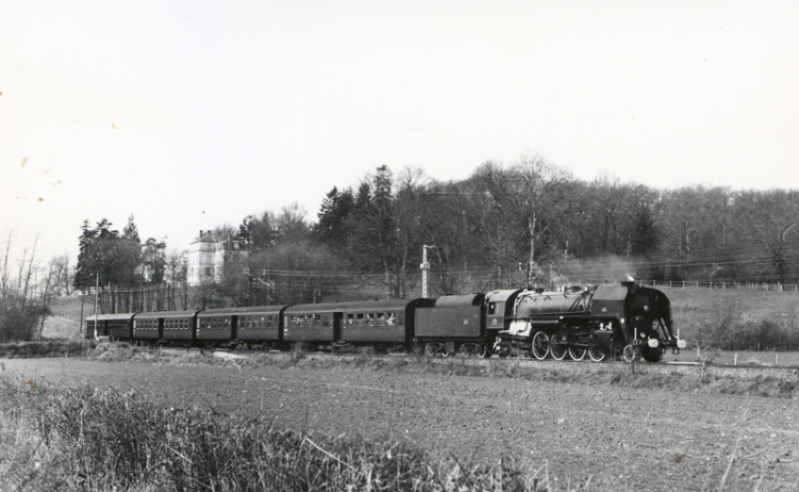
x: 607, y: 321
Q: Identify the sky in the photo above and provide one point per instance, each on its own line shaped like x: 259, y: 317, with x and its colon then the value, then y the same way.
x: 191, y: 114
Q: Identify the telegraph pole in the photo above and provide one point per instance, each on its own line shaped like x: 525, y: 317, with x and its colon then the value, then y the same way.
x: 425, y: 266
x: 96, y: 298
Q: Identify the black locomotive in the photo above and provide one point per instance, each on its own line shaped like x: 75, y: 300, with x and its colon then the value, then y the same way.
x: 597, y: 322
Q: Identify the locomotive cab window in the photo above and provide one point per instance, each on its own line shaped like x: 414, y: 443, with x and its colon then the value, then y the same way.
x: 492, y: 308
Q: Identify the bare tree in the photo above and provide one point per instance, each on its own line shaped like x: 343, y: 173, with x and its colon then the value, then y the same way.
x: 771, y: 219
x: 541, y: 199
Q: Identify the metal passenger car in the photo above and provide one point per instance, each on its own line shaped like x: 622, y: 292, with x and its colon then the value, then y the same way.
x: 114, y: 326
x: 165, y: 327
x: 246, y: 325
x: 381, y: 324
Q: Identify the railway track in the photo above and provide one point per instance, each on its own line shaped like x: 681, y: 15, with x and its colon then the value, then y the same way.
x: 638, y: 367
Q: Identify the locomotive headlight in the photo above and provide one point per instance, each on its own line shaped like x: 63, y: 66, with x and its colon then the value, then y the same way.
x: 681, y: 344
x: 654, y: 343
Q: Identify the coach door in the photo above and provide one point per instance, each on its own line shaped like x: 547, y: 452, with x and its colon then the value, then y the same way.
x: 337, y: 321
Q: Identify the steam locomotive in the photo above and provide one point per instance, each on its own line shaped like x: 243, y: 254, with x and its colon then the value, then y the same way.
x: 609, y: 321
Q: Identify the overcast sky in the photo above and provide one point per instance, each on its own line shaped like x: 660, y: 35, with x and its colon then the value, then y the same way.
x: 189, y: 114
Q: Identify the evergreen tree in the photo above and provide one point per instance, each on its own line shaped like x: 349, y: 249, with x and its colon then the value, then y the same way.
x: 332, y: 226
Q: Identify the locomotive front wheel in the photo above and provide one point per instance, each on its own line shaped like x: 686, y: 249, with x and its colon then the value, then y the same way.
x: 577, y: 352
x: 629, y: 354
x: 558, y: 351
x: 540, y: 348
x: 597, y: 353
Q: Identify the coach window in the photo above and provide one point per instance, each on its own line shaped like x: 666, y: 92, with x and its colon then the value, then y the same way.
x: 350, y: 318
x: 381, y: 319
x: 326, y: 320
x: 360, y: 319
x: 370, y: 319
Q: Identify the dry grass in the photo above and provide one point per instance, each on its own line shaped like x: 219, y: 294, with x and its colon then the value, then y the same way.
x: 57, y: 438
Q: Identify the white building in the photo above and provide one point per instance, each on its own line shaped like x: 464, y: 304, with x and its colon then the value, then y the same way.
x: 206, y: 257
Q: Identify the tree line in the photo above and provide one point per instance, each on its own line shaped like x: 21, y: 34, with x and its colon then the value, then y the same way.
x: 527, y: 223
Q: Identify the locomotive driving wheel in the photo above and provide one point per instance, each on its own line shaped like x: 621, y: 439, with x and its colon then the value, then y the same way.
x: 598, y: 353
x: 540, y: 348
x: 577, y: 352
x: 557, y: 350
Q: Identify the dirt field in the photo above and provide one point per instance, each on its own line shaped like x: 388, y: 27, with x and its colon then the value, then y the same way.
x: 618, y: 438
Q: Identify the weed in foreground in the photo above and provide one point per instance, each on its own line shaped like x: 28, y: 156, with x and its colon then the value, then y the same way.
x: 89, y: 440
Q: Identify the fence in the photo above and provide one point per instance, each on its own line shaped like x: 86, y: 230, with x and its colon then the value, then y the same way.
x: 699, y: 284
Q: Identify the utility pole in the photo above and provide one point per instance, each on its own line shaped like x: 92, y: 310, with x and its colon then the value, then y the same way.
x: 96, y: 298
x: 425, y: 266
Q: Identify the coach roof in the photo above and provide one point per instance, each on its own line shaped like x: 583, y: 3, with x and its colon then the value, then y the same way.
x: 241, y: 310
